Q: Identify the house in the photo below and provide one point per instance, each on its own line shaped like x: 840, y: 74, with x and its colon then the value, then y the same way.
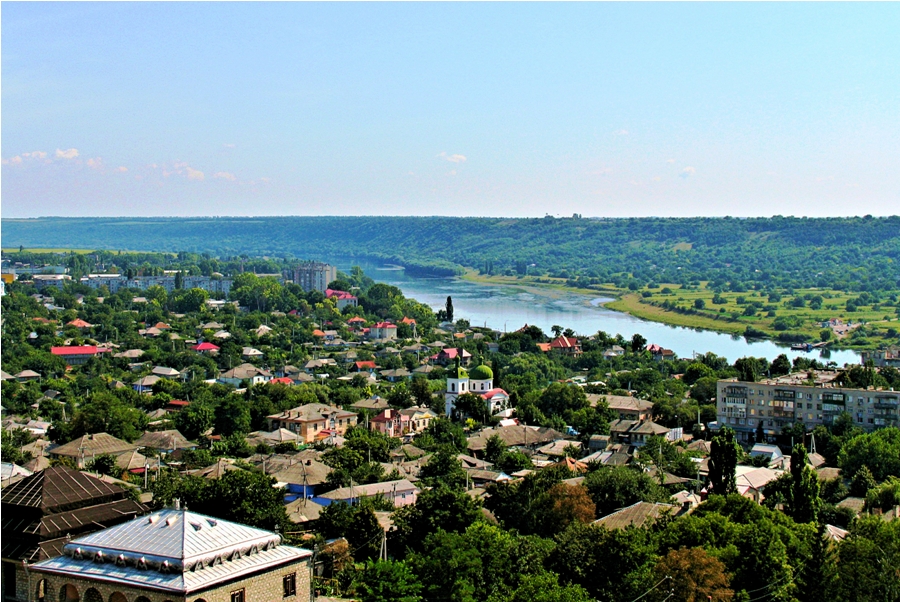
x: 397, y: 375
x: 165, y: 441
x: 368, y: 366
x: 417, y: 419
x: 145, y: 384
x: 341, y: 299
x: 251, y: 353
x: 165, y: 372
x: 302, y: 478
x: 389, y: 422
x: 638, y: 515
x: 205, y: 347
x: 27, y: 376
x: 249, y: 372
x: 175, y: 554
x: 79, y: 323
x: 565, y: 345
x: 527, y: 437
x: 43, y: 510
x: 636, y: 432
x: 310, y: 420
x: 659, y: 353
x: 614, y: 351
x: 383, y: 331
x: 449, y: 354
x: 87, y: 447
x: 76, y: 355
x: 771, y: 452
x: 401, y: 493
x: 497, y: 400
x: 627, y: 408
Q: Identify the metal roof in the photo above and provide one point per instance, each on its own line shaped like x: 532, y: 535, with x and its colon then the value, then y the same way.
x: 59, y: 486
x: 172, y: 550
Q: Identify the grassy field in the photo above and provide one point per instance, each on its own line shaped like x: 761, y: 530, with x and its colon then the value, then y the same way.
x: 789, y: 316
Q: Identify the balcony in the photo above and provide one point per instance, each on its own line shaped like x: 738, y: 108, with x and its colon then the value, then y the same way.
x: 785, y: 396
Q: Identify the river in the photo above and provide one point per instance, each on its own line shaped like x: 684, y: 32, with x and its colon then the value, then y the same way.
x: 508, y: 308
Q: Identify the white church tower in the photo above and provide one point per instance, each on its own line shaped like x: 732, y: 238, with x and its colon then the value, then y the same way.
x: 457, y: 384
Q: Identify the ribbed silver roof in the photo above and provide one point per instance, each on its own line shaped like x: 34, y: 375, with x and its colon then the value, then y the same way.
x: 174, y: 550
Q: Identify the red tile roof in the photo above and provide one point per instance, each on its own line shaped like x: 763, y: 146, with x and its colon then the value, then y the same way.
x: 406, y: 320
x: 384, y: 325
x: 367, y: 364
x: 336, y: 294
x: 562, y: 342
x: 79, y: 323
x: 284, y: 380
x: 494, y: 392
x: 355, y: 320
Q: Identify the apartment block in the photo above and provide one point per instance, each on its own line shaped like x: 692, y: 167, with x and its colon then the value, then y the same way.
x: 811, y: 398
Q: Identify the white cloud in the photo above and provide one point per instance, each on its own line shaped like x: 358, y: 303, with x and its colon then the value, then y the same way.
x: 656, y: 178
x: 122, y: 169
x: 621, y: 132
x: 453, y: 158
x: 227, y: 145
x: 70, y: 153
x: 95, y: 163
x: 36, y: 155
x: 452, y: 172
x: 603, y: 171
x: 687, y: 172
x: 14, y: 161
x: 194, y: 174
x: 224, y: 175
x: 670, y: 160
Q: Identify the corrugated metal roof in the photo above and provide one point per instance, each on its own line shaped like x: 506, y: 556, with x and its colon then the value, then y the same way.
x: 93, y: 445
x: 58, y: 486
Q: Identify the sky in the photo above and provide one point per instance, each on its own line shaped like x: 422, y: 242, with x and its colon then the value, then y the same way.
x: 470, y: 109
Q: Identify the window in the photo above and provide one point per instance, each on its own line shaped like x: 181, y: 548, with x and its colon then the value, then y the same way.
x: 237, y: 596
x: 290, y: 585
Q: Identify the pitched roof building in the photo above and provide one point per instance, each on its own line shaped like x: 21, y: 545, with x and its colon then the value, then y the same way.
x: 42, y: 511
x: 310, y: 420
x: 176, y: 555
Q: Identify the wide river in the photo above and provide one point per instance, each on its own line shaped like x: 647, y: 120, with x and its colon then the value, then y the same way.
x: 508, y: 308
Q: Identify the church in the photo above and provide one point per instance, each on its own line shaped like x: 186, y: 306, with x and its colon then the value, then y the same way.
x: 480, y: 381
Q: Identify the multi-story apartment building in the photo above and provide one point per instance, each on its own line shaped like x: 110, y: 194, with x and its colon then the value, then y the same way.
x: 312, y: 276
x: 115, y: 282
x: 810, y: 398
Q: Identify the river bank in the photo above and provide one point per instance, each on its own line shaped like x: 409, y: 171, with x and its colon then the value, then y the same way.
x: 725, y: 318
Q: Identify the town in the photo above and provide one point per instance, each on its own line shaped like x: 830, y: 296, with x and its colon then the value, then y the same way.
x: 220, y: 433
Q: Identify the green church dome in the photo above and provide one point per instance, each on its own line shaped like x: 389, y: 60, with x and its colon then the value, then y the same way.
x: 459, y: 373
x: 481, y: 372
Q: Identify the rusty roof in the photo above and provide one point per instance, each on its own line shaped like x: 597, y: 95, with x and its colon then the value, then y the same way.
x: 59, y: 488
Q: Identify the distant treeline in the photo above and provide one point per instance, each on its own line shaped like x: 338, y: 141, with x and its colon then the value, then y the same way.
x: 858, y: 253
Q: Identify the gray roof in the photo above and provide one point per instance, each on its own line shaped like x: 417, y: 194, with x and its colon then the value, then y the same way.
x: 174, y: 551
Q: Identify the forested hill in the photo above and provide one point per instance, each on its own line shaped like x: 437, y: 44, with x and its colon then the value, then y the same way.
x: 859, y: 253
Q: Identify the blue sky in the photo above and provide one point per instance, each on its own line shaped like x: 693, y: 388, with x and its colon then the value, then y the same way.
x: 500, y: 109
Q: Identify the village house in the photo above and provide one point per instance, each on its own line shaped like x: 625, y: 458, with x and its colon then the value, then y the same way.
x: 313, y: 421
x: 565, y: 345
x: 341, y: 299
x: 248, y: 372
x: 625, y: 407
x: 383, y: 331
x: 400, y: 493
x: 76, y: 355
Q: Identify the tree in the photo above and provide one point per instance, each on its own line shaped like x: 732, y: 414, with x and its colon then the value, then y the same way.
x: 439, y: 508
x: 563, y: 504
x: 421, y: 392
x: 637, y: 343
x: 448, y: 308
x: 386, y: 581
x: 748, y: 369
x: 616, y: 487
x: 693, y: 575
x: 723, y: 457
x: 781, y: 365
x: 105, y: 464
x: 357, y: 524
x: 106, y: 413
x: 194, y: 420
x: 246, y: 497
x: 443, y: 468
x: 805, y: 501
x: 494, y: 448
x: 470, y: 405
x: 879, y: 451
